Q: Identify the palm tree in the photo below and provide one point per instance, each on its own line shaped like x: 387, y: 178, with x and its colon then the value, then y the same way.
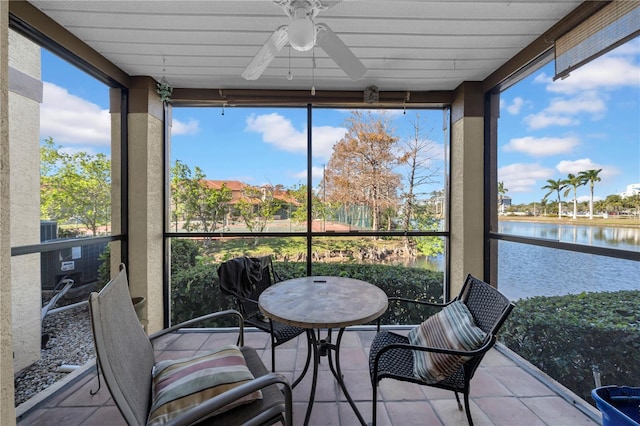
x: 573, y: 182
x: 592, y: 177
x: 501, y: 191
x: 555, y: 186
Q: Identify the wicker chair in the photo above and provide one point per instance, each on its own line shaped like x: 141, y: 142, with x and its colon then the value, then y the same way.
x: 245, y: 278
x: 392, y: 355
x: 125, y: 356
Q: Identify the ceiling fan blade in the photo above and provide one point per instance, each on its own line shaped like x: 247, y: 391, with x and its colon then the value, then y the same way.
x: 265, y: 55
x: 339, y: 52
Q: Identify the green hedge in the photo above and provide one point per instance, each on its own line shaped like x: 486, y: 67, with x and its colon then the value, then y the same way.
x: 565, y: 336
x: 195, y: 290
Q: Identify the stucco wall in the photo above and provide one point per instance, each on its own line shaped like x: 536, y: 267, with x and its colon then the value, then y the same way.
x: 146, y: 156
x: 25, y: 94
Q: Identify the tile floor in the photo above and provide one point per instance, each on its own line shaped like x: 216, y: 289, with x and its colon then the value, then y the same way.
x: 502, y: 391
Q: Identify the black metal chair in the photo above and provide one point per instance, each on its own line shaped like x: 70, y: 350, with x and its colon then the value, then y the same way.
x: 245, y: 278
x: 392, y: 355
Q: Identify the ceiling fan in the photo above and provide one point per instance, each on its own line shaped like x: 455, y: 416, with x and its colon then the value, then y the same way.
x: 303, y: 33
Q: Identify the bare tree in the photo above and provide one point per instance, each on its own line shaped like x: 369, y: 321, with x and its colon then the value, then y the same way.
x: 360, y: 170
x: 418, y: 152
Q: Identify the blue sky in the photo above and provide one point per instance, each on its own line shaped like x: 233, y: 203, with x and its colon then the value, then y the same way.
x: 547, y: 129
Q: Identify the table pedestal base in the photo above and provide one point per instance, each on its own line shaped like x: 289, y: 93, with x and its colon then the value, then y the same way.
x: 324, y: 347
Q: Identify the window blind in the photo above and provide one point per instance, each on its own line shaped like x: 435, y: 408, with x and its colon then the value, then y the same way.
x: 611, y: 26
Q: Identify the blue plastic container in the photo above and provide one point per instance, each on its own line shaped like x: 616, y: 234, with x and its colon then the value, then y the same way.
x: 619, y: 405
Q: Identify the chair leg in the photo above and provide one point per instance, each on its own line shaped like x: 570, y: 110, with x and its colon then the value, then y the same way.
x: 374, y: 409
x: 467, y: 408
x: 273, y: 355
x: 458, y: 400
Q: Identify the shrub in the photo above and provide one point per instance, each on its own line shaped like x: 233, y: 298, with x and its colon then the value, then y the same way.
x: 565, y: 336
x: 195, y: 290
x: 184, y: 254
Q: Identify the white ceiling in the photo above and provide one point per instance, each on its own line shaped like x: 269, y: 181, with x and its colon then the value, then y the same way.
x: 405, y: 45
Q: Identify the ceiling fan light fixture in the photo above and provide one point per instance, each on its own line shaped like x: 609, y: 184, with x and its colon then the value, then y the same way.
x: 302, y: 34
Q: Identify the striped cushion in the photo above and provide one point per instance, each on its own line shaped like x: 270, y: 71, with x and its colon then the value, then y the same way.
x: 451, y: 328
x: 180, y: 384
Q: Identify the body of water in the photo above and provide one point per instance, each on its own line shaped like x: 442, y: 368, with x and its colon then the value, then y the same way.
x: 526, y: 271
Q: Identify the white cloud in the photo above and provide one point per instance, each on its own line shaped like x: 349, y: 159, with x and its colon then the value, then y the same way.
x: 523, y: 177
x: 316, y: 173
x: 280, y: 132
x: 178, y: 127
x: 588, y: 102
x: 607, y: 72
x: 71, y: 120
x: 544, y: 119
x: 562, y: 111
x: 516, y: 106
x: 277, y: 130
x: 324, y: 138
x: 577, y: 166
x: 540, y: 147
x: 584, y: 90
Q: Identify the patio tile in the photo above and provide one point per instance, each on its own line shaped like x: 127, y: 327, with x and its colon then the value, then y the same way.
x: 501, y: 392
x: 188, y: 341
x: 484, y: 384
x: 257, y: 339
x: 494, y: 358
x: 450, y: 414
x: 519, y: 382
x: 109, y: 415
x: 63, y: 416
x: 412, y: 413
x: 349, y: 340
x: 358, y: 385
x: 325, y: 388
x: 83, y: 395
x: 161, y: 343
x: 164, y: 355
x: 508, y: 411
x: 322, y: 414
x: 353, y: 358
x: 555, y: 410
x: 348, y: 416
x: 396, y: 390
x: 219, y: 339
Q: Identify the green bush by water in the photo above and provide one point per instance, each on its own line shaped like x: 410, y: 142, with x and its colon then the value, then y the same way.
x: 566, y: 336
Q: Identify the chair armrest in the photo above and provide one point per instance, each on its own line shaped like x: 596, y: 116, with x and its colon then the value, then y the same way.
x: 213, y: 404
x: 419, y: 302
x: 189, y: 323
x: 414, y: 302
x: 488, y: 344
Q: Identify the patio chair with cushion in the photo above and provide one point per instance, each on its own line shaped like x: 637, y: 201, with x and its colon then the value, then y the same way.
x: 447, y: 348
x: 226, y: 385
x: 245, y: 278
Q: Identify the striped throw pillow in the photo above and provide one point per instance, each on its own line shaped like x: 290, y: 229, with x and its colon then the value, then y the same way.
x: 451, y: 328
x: 181, y: 384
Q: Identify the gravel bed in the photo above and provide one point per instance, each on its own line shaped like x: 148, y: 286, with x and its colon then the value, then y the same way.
x: 70, y: 343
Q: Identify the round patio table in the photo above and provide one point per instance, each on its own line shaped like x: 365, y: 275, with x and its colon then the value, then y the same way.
x: 324, y: 302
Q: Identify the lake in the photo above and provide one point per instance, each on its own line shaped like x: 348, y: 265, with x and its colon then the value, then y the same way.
x: 525, y: 270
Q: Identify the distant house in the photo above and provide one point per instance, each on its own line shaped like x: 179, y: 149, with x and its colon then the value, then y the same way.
x: 504, y: 203
x: 633, y: 189
x: 238, y: 191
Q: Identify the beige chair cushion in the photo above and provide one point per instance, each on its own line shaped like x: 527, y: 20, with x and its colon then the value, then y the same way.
x: 184, y: 383
x: 451, y: 328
